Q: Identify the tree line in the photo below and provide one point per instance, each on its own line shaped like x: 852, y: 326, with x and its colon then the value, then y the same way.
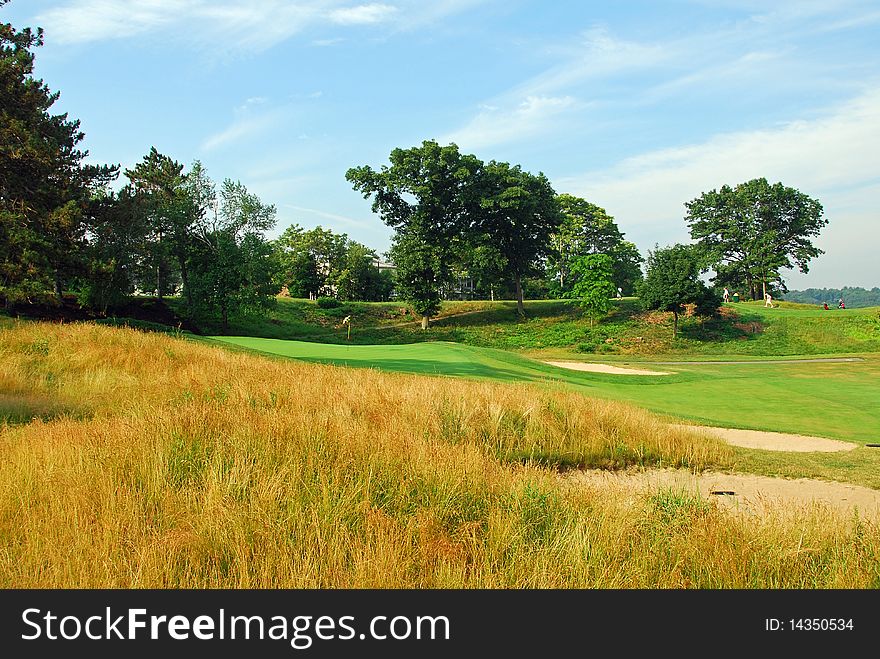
x: 854, y: 296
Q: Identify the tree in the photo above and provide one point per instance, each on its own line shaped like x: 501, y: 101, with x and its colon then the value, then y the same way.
x: 311, y: 261
x: 231, y: 266
x: 416, y: 277
x: 163, y: 193
x: 626, y: 266
x: 594, y: 287
x: 750, y: 232
x: 428, y: 196
x: 44, y: 183
x: 519, y: 213
x: 116, y: 239
x: 588, y: 229
x: 673, y: 280
x: 358, y: 278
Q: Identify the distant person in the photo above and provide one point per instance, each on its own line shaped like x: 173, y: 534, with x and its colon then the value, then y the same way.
x: 768, y: 300
x: 619, y: 292
x: 726, y: 294
x: 826, y: 306
x: 841, y: 304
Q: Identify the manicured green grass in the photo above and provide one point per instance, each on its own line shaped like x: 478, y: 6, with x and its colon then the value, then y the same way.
x: 839, y: 400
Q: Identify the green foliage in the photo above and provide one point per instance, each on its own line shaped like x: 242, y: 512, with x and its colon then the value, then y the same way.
x: 428, y: 195
x: 325, y: 302
x: 519, y: 212
x: 232, y: 266
x: 750, y: 232
x: 672, y: 280
x: 44, y: 183
x: 593, y: 286
x: 588, y: 229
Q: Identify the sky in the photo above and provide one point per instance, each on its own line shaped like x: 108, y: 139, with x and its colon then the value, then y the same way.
x: 636, y: 106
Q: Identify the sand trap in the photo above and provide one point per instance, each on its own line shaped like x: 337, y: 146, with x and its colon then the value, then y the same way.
x: 751, y: 494
x: 774, y: 441
x: 604, y: 368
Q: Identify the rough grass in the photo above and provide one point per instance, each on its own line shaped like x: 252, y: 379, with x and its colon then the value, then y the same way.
x: 188, y: 466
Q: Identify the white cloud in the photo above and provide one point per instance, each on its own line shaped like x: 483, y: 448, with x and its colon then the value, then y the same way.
x: 597, y: 54
x: 533, y: 116
x: 235, y: 132
x: 251, y: 119
x: 342, y: 219
x: 832, y: 158
x: 230, y: 24
x: 362, y: 14
x: 91, y: 20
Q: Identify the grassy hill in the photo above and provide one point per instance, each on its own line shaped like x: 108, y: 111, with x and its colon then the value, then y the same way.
x: 557, y: 327
x: 133, y: 459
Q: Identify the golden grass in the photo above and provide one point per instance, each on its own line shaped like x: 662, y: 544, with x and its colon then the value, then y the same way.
x: 156, y: 462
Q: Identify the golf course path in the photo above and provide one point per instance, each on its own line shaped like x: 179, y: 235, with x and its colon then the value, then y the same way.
x: 604, y: 368
x: 773, y: 441
x: 743, y: 492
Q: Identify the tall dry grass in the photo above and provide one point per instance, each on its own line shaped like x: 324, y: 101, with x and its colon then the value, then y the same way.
x: 136, y: 460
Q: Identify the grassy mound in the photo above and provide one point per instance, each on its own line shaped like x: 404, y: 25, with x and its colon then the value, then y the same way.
x: 189, y: 466
x: 558, y: 327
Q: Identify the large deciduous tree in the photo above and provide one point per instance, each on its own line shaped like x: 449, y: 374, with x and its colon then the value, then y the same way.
x: 588, y: 229
x: 428, y: 196
x: 750, y: 232
x: 231, y: 266
x: 519, y: 213
x: 673, y: 280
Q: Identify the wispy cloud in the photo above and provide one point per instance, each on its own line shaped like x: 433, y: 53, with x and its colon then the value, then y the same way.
x: 255, y: 25
x: 597, y: 54
x: 362, y: 14
x: 494, y: 125
x: 251, y: 119
x: 342, y: 219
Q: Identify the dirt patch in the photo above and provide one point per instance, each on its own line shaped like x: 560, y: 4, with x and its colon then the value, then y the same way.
x: 604, y: 368
x: 774, y: 441
x: 743, y: 492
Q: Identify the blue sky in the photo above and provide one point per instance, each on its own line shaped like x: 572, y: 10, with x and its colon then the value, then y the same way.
x: 636, y: 106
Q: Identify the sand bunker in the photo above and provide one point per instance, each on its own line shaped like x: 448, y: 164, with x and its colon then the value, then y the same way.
x: 746, y: 493
x: 774, y: 441
x: 604, y: 368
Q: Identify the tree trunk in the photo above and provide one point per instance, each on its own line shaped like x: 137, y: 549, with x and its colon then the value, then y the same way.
x: 425, y: 320
x: 674, y: 324
x: 225, y: 319
x: 184, y: 277
x: 58, y: 292
x: 519, y: 297
x: 492, y: 292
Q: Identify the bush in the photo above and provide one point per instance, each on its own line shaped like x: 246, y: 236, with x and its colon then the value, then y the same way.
x: 327, y: 302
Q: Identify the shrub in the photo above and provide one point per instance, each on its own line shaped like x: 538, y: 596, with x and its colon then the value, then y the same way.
x: 327, y: 302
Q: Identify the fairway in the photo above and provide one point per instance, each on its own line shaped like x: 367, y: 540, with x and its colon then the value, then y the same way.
x: 827, y: 399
